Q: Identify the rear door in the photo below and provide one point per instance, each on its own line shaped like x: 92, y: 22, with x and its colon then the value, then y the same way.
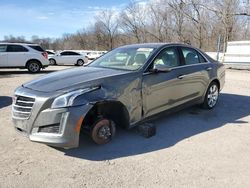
x: 17, y: 55
x: 3, y: 56
x: 195, y: 73
x: 73, y: 57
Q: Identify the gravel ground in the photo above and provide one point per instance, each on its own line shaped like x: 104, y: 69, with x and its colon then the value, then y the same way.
x: 192, y: 148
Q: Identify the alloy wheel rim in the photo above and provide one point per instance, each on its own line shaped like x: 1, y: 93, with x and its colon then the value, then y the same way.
x: 80, y: 62
x: 34, y: 67
x: 212, y: 96
x: 52, y: 62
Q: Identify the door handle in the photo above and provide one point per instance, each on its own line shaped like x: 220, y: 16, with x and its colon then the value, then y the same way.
x: 181, y: 76
x: 208, y: 68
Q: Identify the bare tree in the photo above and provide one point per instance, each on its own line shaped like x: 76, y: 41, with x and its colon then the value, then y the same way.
x: 178, y: 9
x: 198, y: 17
x: 81, y: 36
x: 226, y: 11
x: 159, y: 17
x: 133, y: 21
x: 11, y: 38
x: 107, y: 26
x: 197, y: 22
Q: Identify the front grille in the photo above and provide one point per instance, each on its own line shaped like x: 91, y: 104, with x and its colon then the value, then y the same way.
x: 22, y: 107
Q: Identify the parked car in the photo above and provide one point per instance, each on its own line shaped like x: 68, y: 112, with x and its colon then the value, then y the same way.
x: 120, y: 89
x: 68, y: 58
x: 50, y: 53
x: 94, y: 55
x: 29, y: 56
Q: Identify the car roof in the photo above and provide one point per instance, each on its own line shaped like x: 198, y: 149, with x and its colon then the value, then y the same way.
x: 16, y: 43
x: 154, y: 45
x: 69, y: 51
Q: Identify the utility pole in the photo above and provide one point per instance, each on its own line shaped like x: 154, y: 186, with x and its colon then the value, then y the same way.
x: 248, y: 19
x: 218, y: 49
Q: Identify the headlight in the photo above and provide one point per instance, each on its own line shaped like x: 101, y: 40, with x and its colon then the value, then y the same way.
x: 67, y: 99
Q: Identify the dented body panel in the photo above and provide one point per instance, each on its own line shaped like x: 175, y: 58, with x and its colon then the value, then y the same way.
x: 141, y: 93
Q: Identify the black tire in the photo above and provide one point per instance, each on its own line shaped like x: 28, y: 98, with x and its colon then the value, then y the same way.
x: 211, y: 97
x: 103, y: 131
x: 34, y: 67
x: 80, y: 62
x: 52, y: 62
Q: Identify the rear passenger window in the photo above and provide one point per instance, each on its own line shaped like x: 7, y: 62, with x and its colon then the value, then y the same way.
x: 191, y: 56
x: 37, y: 48
x: 16, y: 48
x: 3, y: 48
x: 201, y: 58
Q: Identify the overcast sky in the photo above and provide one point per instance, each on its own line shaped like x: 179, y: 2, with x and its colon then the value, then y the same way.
x: 50, y: 18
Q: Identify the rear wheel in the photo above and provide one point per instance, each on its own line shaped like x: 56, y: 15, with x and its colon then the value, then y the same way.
x: 34, y: 67
x: 52, y: 62
x: 211, y: 97
x: 80, y: 62
x: 103, y: 131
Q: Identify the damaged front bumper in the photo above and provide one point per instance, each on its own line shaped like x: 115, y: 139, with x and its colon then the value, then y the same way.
x: 54, y: 127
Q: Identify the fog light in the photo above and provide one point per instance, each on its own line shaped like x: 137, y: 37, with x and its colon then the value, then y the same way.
x: 54, y: 128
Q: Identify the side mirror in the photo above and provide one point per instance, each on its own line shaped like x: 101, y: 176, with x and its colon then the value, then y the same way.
x: 160, y: 68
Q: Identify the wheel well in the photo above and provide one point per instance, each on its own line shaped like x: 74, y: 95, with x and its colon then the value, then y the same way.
x: 81, y: 60
x: 110, y: 109
x: 32, y: 60
x: 217, y: 82
x: 55, y: 63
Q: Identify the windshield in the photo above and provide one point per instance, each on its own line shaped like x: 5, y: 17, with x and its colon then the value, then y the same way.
x: 124, y: 58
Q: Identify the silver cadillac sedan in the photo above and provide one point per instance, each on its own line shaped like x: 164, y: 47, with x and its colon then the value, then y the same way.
x: 124, y: 87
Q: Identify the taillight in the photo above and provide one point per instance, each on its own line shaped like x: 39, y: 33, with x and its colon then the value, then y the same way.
x: 45, y: 54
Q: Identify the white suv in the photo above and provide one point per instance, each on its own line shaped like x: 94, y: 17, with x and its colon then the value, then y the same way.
x: 16, y: 55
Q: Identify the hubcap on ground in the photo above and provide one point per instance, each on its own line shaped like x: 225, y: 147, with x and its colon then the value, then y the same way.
x: 212, y: 96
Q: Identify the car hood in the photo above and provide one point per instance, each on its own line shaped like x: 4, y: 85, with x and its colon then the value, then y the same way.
x: 72, y: 78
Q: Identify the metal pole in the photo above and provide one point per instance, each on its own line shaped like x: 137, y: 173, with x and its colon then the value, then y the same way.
x: 218, y: 49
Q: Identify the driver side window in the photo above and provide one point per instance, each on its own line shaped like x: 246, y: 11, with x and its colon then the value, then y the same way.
x: 168, y: 57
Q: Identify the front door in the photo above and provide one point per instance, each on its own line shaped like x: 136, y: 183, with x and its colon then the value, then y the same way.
x: 162, y: 91
x: 62, y: 58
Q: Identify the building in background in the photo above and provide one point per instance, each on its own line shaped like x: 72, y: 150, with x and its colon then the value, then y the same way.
x: 237, y: 55
x: 237, y: 52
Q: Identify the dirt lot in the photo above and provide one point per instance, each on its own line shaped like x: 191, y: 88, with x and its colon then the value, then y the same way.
x: 192, y: 148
